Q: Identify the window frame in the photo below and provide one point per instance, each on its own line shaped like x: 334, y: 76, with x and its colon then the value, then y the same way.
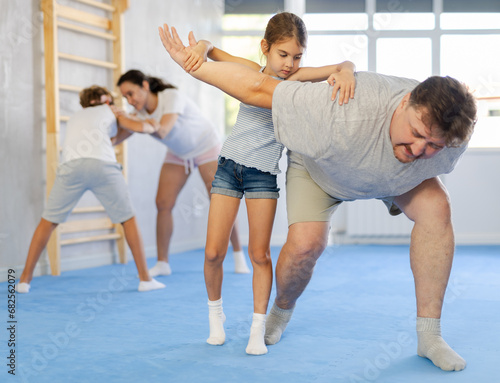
x: 372, y: 34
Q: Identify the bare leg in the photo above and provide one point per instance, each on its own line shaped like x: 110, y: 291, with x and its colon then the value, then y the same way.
x: 235, y: 238
x: 304, y: 245
x: 172, y: 179
x: 134, y: 240
x: 207, y: 172
x: 222, y: 213
x: 431, y: 258
x: 39, y: 241
x: 221, y: 216
x: 261, y: 214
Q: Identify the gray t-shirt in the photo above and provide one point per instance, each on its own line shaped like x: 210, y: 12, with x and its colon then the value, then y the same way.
x: 347, y: 149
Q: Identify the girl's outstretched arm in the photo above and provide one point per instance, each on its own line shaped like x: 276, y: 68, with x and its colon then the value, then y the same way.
x: 237, y: 80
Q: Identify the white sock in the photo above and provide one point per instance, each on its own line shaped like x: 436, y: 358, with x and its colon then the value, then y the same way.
x: 256, y: 344
x: 153, y: 284
x: 240, y: 263
x: 161, y: 268
x: 276, y: 323
x: 433, y: 347
x: 216, y: 320
x: 23, y: 288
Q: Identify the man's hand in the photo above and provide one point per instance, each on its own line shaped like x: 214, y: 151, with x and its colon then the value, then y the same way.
x: 173, y: 45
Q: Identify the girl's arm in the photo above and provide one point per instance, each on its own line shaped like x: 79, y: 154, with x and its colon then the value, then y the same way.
x: 316, y: 74
x: 340, y: 76
x: 137, y: 125
x: 133, y: 123
x: 166, y: 124
x: 203, y: 49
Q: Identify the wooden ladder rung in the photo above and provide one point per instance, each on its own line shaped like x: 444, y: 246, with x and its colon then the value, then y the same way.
x: 86, y: 225
x: 88, y: 31
x: 64, y: 118
x: 78, y: 89
x: 98, y: 4
x: 83, y: 17
x: 70, y: 88
x: 86, y: 60
x: 94, y: 238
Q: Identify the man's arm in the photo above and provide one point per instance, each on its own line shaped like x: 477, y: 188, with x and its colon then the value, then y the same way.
x: 237, y: 80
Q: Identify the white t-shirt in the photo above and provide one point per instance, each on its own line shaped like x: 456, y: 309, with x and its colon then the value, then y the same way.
x: 347, y: 149
x: 88, y: 134
x: 192, y: 134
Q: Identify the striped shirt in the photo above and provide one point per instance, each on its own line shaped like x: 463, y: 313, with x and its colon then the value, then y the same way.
x: 252, y: 142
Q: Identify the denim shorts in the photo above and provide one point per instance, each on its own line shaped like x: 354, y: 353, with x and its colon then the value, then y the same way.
x: 234, y: 180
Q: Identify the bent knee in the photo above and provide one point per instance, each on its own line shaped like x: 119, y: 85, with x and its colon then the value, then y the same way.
x: 307, y: 247
x: 436, y: 211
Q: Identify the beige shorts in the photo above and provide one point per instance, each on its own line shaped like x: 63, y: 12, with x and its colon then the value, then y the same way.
x: 307, y: 202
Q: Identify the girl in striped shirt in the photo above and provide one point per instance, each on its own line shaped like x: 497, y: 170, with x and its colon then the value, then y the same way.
x: 248, y: 165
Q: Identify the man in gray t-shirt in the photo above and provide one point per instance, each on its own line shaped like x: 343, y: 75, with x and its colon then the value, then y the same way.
x: 347, y: 149
x: 390, y: 142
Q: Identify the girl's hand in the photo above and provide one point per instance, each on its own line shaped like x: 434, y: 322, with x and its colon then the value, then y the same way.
x: 198, y: 53
x: 344, y: 83
x: 150, y: 125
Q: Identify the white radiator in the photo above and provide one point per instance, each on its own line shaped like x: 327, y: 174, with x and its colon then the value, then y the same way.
x: 370, y: 218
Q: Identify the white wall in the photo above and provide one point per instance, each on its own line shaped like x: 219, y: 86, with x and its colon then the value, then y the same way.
x: 474, y: 188
x: 21, y: 131
x: 22, y: 110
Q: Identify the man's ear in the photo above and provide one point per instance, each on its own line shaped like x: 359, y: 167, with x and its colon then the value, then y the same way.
x: 406, y: 100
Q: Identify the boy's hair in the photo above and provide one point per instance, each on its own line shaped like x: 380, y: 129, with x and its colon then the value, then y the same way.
x: 283, y: 26
x: 449, y: 107
x: 92, y: 96
x: 136, y: 77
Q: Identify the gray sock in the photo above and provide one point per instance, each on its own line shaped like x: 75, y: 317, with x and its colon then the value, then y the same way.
x: 276, y: 323
x: 433, y: 347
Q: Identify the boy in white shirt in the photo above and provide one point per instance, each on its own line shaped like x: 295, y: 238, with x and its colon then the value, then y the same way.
x: 89, y: 163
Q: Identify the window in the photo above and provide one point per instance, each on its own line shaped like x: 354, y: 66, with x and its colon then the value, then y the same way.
x: 408, y: 38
